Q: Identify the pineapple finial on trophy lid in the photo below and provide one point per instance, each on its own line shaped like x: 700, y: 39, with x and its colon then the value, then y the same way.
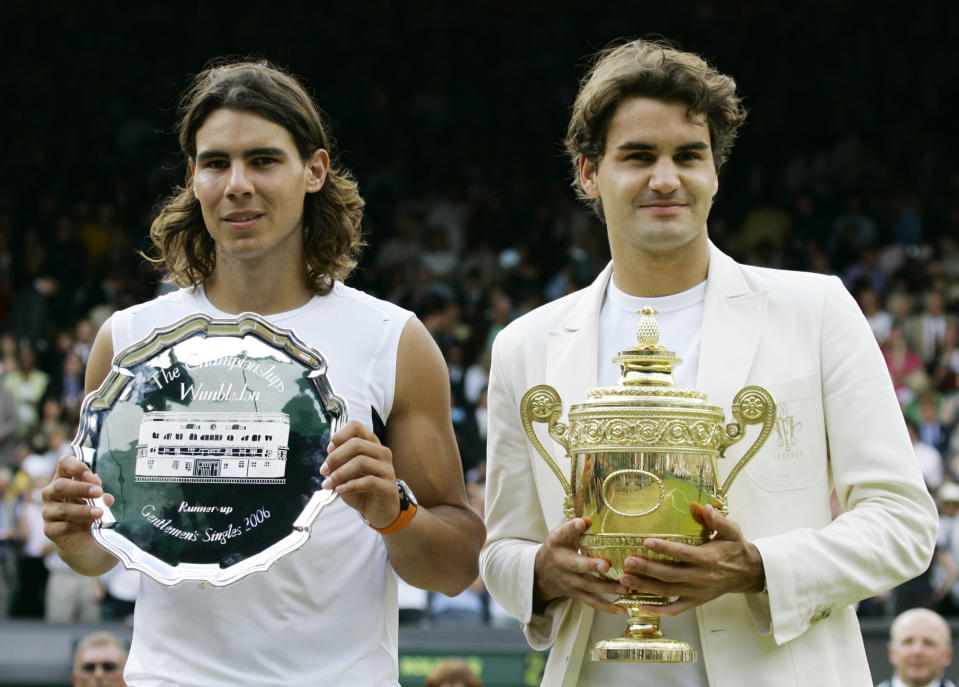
x: 647, y: 363
x: 647, y: 331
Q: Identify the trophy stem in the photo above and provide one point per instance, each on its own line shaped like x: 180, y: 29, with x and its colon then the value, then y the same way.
x: 643, y: 640
x: 640, y: 625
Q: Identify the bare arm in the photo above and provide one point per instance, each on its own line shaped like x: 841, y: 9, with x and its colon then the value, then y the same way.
x: 439, y: 549
x: 66, y: 516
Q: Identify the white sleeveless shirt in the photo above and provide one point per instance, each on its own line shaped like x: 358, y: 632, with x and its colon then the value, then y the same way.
x: 327, y: 613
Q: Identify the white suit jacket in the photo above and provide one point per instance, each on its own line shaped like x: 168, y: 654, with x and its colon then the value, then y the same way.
x: 802, y: 337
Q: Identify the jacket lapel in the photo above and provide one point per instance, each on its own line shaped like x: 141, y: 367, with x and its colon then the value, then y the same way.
x: 733, y: 318
x: 571, y: 352
x: 572, y: 346
x: 571, y: 368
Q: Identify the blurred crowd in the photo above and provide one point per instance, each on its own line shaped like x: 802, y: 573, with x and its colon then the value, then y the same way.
x: 470, y: 221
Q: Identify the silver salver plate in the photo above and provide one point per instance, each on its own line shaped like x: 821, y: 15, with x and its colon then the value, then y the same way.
x: 210, y: 434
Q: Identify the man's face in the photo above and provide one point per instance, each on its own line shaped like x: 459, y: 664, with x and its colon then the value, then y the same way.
x: 99, y: 666
x: 251, y: 184
x: 920, y: 651
x: 656, y: 178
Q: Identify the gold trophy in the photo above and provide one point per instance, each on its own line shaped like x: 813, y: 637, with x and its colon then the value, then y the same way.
x: 642, y: 451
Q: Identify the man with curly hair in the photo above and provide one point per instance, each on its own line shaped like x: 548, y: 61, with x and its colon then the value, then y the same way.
x: 269, y: 222
x: 768, y: 598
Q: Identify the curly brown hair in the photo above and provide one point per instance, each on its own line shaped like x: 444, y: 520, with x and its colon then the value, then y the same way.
x: 650, y: 69
x: 332, y: 233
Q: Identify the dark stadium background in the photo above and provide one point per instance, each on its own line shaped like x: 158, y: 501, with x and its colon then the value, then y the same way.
x: 463, y: 105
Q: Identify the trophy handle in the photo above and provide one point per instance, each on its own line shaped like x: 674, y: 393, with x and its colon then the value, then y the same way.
x: 753, y: 405
x: 543, y: 404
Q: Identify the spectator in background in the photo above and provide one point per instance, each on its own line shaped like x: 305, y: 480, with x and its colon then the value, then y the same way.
x: 927, y: 330
x: 477, y: 378
x: 27, y: 385
x: 947, y: 498
x: 99, y: 661
x: 453, y: 673
x: 31, y: 590
x: 920, y: 649
x: 8, y: 353
x: 903, y: 363
x: 472, y: 447
x: 9, y: 422
x: 69, y: 385
x: 945, y: 572
x: 51, y: 422
x: 500, y: 315
x: 456, y: 366
x: 70, y: 597
x: 899, y: 306
x: 867, y: 271
x: 120, y: 587
x: 851, y: 232
x: 7, y: 535
x: 84, y: 332
x: 437, y: 257
x: 397, y: 254
x: 879, y: 320
x: 946, y: 365
x: 929, y: 459
x: 927, y: 412
x: 481, y: 418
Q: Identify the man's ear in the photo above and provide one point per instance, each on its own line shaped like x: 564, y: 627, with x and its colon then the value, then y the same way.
x: 587, y: 177
x: 192, y: 176
x: 316, y: 168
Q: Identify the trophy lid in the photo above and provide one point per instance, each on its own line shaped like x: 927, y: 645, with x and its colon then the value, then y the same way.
x: 647, y: 368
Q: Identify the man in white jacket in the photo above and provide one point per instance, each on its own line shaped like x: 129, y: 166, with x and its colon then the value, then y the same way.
x: 769, y: 599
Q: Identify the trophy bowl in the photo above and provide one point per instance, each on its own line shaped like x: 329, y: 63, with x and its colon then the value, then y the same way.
x: 642, y: 452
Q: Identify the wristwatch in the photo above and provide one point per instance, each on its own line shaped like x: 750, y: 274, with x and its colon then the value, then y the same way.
x: 407, y: 510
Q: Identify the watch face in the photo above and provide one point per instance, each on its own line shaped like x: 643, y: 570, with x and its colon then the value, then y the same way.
x: 406, y: 495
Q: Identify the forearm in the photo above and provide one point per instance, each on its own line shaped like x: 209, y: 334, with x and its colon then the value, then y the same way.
x: 811, y: 572
x: 92, y: 562
x: 508, y: 567
x: 439, y: 549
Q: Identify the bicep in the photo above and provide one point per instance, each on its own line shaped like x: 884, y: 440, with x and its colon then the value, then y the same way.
x: 101, y: 358
x: 419, y: 431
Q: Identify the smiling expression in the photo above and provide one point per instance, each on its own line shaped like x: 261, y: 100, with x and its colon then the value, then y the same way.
x: 251, y: 184
x: 656, y: 178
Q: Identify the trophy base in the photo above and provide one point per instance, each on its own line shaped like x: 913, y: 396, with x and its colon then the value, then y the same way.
x: 640, y: 650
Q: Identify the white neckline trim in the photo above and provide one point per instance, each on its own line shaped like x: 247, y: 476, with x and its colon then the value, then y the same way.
x: 275, y: 317
x: 662, y: 304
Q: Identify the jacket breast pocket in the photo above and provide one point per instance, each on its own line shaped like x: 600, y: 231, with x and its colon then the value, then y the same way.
x: 794, y: 454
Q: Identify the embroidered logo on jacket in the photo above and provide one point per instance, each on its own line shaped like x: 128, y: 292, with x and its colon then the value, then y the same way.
x: 788, y: 432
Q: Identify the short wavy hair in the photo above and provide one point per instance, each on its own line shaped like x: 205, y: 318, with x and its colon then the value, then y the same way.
x: 332, y: 217
x: 649, y: 69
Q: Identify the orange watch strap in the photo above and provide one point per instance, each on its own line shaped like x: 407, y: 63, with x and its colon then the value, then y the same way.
x: 402, y: 520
